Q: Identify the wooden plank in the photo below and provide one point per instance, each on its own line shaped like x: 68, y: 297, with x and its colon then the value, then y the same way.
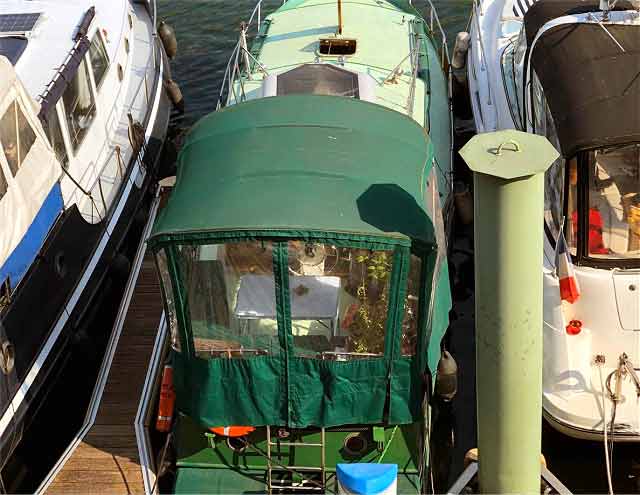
x: 95, y: 488
x: 111, y: 463
x: 124, y: 477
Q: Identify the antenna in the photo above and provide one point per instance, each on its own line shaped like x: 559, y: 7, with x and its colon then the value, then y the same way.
x: 340, y: 17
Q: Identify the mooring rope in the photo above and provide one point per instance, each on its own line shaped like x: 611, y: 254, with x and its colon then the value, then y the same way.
x: 604, y: 429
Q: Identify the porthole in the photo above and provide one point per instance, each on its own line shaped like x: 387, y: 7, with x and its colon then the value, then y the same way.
x: 120, y: 72
x: 355, y: 445
x: 59, y: 264
x: 130, y: 21
x: 238, y: 444
x: 126, y: 45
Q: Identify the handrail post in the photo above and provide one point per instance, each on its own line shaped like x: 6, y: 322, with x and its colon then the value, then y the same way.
x: 245, y: 50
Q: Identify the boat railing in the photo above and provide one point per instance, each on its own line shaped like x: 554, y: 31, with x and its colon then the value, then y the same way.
x: 429, y: 13
x: 242, y: 62
x: 241, y: 53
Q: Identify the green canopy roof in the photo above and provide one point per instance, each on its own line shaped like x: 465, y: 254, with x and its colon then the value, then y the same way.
x: 297, y: 165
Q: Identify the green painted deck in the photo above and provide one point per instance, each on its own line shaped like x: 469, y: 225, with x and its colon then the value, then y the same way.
x: 383, y: 33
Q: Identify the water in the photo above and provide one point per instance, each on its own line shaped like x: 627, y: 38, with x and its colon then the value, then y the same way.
x: 207, y: 31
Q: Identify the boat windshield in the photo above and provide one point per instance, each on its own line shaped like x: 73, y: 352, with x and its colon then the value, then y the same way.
x: 613, y: 197
x: 338, y: 300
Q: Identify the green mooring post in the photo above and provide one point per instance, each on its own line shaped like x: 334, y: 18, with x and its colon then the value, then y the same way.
x: 508, y: 183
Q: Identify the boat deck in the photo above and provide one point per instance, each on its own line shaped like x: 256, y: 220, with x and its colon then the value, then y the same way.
x: 107, y: 459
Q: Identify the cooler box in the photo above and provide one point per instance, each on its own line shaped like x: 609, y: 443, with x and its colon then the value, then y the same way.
x: 367, y: 479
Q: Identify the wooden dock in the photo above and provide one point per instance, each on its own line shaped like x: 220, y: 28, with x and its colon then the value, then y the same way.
x: 107, y: 461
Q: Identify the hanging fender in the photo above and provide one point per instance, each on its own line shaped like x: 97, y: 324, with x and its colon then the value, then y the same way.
x: 232, y: 431
x: 167, y: 400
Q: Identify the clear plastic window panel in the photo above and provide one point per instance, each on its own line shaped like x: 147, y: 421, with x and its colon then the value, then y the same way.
x: 553, y: 182
x: 614, y: 202
x: 410, y: 330
x: 170, y: 305
x: 511, y: 88
x: 339, y: 300
x: 16, y: 135
x: 230, y: 299
x: 79, y: 105
x: 99, y: 59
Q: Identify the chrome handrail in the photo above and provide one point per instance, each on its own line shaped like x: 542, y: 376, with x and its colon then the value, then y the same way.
x: 434, y: 22
x: 233, y: 69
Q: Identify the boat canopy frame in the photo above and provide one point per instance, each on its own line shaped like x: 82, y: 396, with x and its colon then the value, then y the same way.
x: 572, y: 51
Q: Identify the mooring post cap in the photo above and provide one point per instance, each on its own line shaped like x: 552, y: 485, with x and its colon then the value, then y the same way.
x: 509, y: 154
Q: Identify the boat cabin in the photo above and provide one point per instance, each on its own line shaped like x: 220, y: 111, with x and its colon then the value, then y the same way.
x: 571, y: 75
x: 306, y: 286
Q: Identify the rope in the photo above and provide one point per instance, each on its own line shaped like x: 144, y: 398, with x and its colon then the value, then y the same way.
x: 604, y: 428
x: 386, y: 447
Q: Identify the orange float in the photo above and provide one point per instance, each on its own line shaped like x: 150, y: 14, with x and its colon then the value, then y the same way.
x: 167, y: 400
x: 232, y: 431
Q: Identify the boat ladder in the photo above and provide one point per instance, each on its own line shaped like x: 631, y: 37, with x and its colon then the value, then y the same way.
x: 280, y: 477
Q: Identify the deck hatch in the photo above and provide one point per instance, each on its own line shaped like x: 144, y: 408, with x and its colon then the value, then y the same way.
x: 320, y: 79
x: 17, y: 23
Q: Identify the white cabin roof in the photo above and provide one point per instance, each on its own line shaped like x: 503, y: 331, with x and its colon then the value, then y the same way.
x: 51, y: 39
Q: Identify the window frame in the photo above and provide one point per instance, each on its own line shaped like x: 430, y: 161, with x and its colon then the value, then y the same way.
x: 98, y: 35
x: 582, y: 257
x: 92, y: 89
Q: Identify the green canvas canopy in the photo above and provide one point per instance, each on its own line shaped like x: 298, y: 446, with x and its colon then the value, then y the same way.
x: 314, y: 169
x: 301, y: 163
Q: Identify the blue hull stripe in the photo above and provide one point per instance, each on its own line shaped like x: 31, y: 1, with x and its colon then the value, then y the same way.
x: 27, y: 249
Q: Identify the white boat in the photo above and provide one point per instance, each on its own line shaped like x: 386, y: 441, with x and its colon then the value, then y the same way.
x: 83, y: 116
x: 568, y: 70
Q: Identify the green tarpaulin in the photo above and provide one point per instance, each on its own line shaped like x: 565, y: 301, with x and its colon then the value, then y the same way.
x: 314, y: 168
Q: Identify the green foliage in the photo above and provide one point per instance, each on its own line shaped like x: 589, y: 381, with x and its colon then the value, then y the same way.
x: 368, y: 328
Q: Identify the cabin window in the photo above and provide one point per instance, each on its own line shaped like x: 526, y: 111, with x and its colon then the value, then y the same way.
x: 3, y: 184
x: 99, y: 58
x: 571, y: 224
x: 230, y: 298
x: 339, y: 299
x: 614, y: 202
x: 539, y: 107
x: 411, y: 308
x: 511, y: 88
x: 16, y: 136
x: 79, y: 105
x: 553, y: 182
x: 170, y: 308
x: 54, y: 132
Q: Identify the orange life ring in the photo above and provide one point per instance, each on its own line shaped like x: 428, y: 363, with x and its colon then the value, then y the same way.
x: 232, y: 431
x: 167, y: 400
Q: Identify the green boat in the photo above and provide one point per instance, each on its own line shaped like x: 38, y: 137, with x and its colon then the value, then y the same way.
x: 303, y: 255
